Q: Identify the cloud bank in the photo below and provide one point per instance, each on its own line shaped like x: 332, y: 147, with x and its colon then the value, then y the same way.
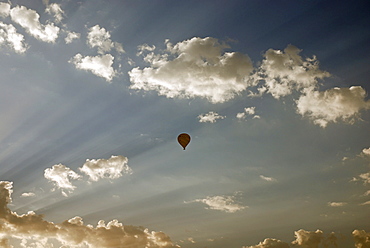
x: 33, y: 231
x: 315, y: 239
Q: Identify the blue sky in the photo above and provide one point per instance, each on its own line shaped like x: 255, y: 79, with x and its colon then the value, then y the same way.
x: 273, y: 93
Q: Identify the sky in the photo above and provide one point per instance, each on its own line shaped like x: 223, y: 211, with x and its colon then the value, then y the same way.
x: 274, y: 94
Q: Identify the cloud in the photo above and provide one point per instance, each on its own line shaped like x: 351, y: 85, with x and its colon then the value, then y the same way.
x: 316, y: 239
x: 365, y: 203
x: 268, y: 179
x: 197, y: 67
x: 222, y: 203
x: 362, y: 238
x: 100, y: 65
x: 60, y: 175
x: 336, y: 204
x: 30, y: 194
x: 34, y: 231
x: 100, y: 38
x: 247, y: 112
x: 10, y: 36
x: 54, y: 9
x: 282, y: 72
x: 4, y: 9
x: 29, y: 20
x: 71, y: 36
x: 211, y: 117
x: 333, y: 105
x: 366, y: 151
x: 106, y: 168
x: 270, y: 243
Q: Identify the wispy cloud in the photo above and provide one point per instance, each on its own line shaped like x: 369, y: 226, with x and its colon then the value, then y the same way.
x: 268, y: 179
x: 222, y: 203
x: 336, y: 204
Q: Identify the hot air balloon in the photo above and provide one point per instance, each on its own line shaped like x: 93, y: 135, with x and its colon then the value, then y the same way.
x: 183, y: 139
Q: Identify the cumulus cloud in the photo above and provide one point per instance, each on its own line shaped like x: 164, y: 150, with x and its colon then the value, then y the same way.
x: 60, y: 175
x: 34, y: 231
x: 71, y: 36
x: 55, y: 10
x: 270, y: 243
x: 29, y: 20
x: 362, y: 238
x: 310, y: 239
x: 282, y: 72
x: 11, y: 38
x: 268, y: 179
x: 197, y: 67
x: 250, y: 111
x: 211, y: 117
x: 336, y: 204
x: 4, y: 9
x: 100, y: 65
x: 333, y: 104
x: 100, y: 38
x: 106, y: 168
x: 222, y: 203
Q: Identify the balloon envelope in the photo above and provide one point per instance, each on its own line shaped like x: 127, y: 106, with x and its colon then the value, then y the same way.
x: 183, y: 139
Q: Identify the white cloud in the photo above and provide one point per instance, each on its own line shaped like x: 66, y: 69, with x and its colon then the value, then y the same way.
x: 10, y: 36
x: 247, y: 112
x: 211, y: 117
x: 30, y: 194
x: 270, y: 243
x: 333, y: 105
x: 33, y: 231
x: 268, y: 179
x: 336, y: 204
x: 221, y: 203
x: 100, y: 65
x: 60, y: 175
x: 362, y: 238
x: 284, y: 71
x: 4, y: 9
x: 100, y: 38
x: 29, y: 20
x: 71, y: 36
x: 55, y: 9
x: 106, y: 168
x: 198, y: 67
